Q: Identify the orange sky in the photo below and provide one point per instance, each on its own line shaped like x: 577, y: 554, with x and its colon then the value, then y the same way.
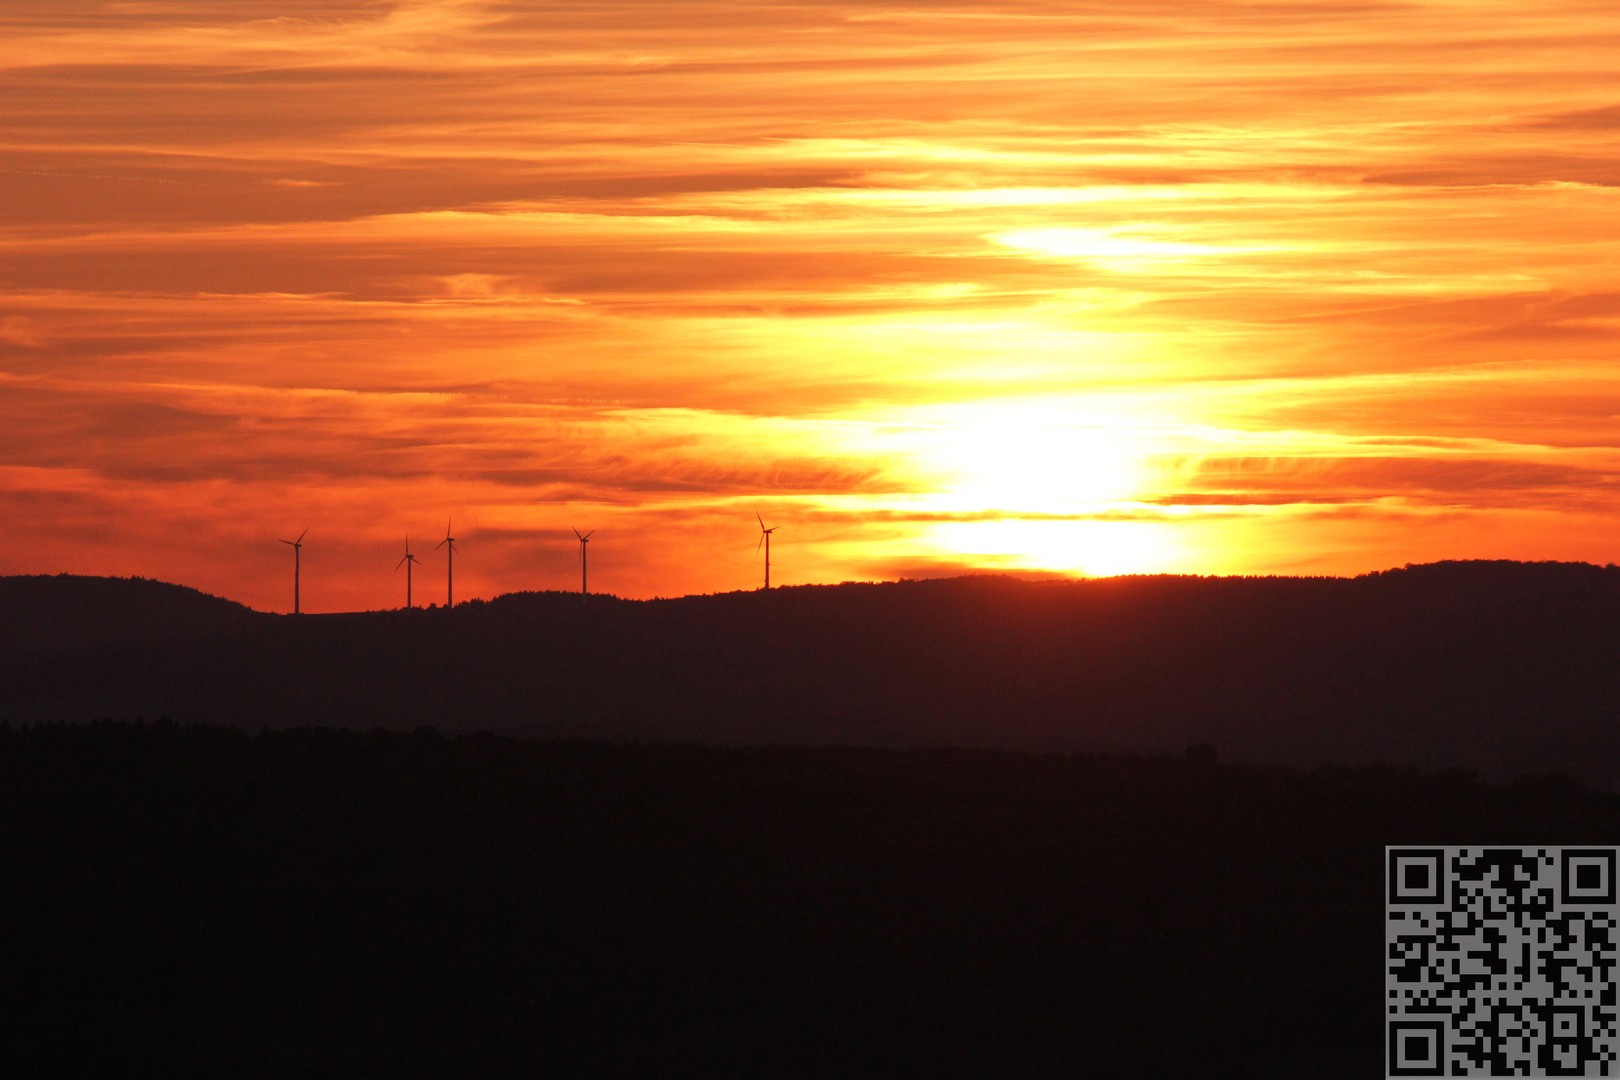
x: 1179, y: 285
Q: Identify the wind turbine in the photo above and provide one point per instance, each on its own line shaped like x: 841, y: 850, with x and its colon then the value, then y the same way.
x: 408, y: 562
x: 765, y: 538
x: 450, y: 572
x: 298, y: 559
x: 583, y: 579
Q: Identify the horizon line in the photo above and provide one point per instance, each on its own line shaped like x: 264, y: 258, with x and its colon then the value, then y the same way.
x: 1036, y: 578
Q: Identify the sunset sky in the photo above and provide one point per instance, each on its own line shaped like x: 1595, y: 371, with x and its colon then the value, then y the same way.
x: 1037, y: 287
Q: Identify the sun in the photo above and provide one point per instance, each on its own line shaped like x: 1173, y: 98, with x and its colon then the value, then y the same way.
x: 1037, y: 465
x: 1052, y: 457
x: 1096, y: 547
x: 1050, y: 484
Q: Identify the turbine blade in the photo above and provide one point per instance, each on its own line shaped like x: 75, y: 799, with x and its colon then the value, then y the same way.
x: 302, y: 535
x: 576, y: 532
x: 400, y: 564
x: 759, y: 544
x: 588, y: 535
x: 759, y: 519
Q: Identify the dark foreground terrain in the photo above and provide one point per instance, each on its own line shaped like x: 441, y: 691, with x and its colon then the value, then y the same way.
x: 188, y: 900
x: 1498, y: 667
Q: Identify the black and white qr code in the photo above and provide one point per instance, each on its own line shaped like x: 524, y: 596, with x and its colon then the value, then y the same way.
x: 1501, y: 961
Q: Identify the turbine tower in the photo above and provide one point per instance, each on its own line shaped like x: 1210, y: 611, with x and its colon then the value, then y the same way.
x: 298, y: 559
x: 765, y: 538
x: 450, y: 571
x: 408, y: 562
x: 583, y: 579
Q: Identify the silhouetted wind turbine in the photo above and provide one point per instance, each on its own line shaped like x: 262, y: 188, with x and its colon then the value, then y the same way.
x: 583, y: 580
x: 298, y: 559
x: 765, y: 538
x: 450, y: 572
x: 408, y: 562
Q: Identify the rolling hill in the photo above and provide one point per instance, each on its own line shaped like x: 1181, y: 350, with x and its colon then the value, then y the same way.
x: 1500, y: 667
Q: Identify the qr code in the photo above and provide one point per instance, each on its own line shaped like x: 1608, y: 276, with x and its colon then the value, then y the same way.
x: 1501, y: 961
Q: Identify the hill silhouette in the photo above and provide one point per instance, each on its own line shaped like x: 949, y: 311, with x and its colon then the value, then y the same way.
x: 41, y: 615
x: 1499, y: 667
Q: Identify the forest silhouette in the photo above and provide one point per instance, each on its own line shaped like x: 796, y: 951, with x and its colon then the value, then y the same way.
x: 312, y: 902
x: 1498, y: 667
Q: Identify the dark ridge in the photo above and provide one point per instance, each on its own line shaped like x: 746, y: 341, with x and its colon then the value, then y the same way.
x: 42, y: 614
x: 1498, y: 667
x: 187, y: 900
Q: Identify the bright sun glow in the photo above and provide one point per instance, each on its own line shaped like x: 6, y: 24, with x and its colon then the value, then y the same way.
x: 1095, y: 547
x: 1031, y: 456
x: 1042, y: 466
x: 1066, y: 479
